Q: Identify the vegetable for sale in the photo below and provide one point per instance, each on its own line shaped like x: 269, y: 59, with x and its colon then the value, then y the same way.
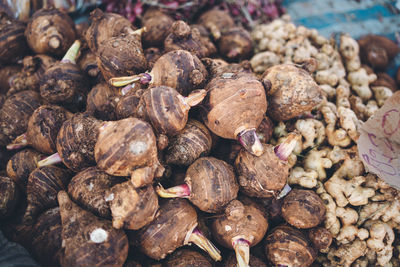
x: 158, y: 25
x: 186, y: 257
x: 13, y: 42
x: 9, y: 197
x: 101, y: 102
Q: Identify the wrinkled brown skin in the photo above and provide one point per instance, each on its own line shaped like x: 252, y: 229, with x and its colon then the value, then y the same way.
x: 235, y: 44
x: 104, y: 26
x: 186, y: 257
x: 377, y: 51
x: 303, y: 208
x: 385, y: 80
x: 158, y: 25
x: 80, y: 250
x: 121, y: 56
x: 46, y: 242
x: 7, y: 74
x: 101, y: 102
x: 128, y: 104
x: 43, y: 127
x: 81, y: 29
x: 184, y: 37
x: 213, y: 184
x: 21, y: 165
x: 13, y: 43
x: 128, y: 148
x: 88, y: 189
x: 9, y: 196
x: 235, y: 102
x: 291, y: 91
x: 76, y: 140
x: 320, y: 237
x: 242, y: 219
x: 167, y: 232
x: 88, y: 64
x: 131, y: 263
x: 288, y: 246
x: 265, y: 130
x: 132, y: 208
x: 216, y: 66
x: 274, y: 209
x: 193, y: 142
x: 152, y: 54
x: 254, y: 261
x: 263, y: 176
x: 180, y: 70
x: 217, y: 22
x: 43, y: 185
x: 15, y: 113
x: 47, y: 25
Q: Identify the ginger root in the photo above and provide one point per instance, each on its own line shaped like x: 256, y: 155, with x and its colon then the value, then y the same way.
x: 299, y: 176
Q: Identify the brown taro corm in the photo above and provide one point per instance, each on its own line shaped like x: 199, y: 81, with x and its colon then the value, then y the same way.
x: 88, y: 189
x: 15, y: 113
x: 132, y: 208
x: 320, y: 237
x: 13, y: 43
x: 291, y: 91
x: 210, y: 184
x: 152, y: 54
x: 235, y: 44
x: 385, y: 80
x: 287, y: 246
x: 101, y: 102
x: 242, y: 226
x: 50, y: 31
x: 186, y: 257
x: 7, y: 74
x: 217, y: 22
x: 128, y: 148
x: 89, y: 240
x: 88, y: 64
x: 178, y: 69
x: 265, y: 130
x: 9, y: 197
x: 231, y: 261
x: 158, y: 25
x: 129, y: 101
x: 303, y: 209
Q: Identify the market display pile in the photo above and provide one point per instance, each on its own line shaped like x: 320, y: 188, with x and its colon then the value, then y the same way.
x: 123, y: 145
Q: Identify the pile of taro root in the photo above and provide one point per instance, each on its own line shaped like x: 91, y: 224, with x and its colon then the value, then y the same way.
x: 191, y: 145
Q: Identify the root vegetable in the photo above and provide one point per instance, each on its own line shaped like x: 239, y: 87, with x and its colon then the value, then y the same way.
x: 265, y: 130
x: 7, y: 74
x: 158, y: 25
x: 286, y: 246
x: 50, y: 31
x: 254, y: 261
x: 385, y: 80
x: 173, y: 227
x: 88, y: 188
x: 320, y: 237
x: 210, y: 185
x: 152, y: 54
x: 193, y: 142
x: 13, y: 43
x: 178, y: 69
x: 9, y: 196
x: 242, y: 226
x: 128, y: 148
x: 377, y: 51
x: 88, y: 64
x: 291, y: 92
x: 89, y: 240
x: 102, y: 101
x: 217, y: 22
x: 186, y: 257
x: 128, y: 104
x: 235, y: 44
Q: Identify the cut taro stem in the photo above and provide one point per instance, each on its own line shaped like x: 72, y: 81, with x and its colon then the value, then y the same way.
x: 182, y: 190
x: 50, y: 160
x: 202, y: 242
x: 242, y: 251
x: 18, y: 143
x: 249, y: 140
x: 126, y: 89
x: 194, y: 98
x: 138, y: 31
x: 284, y: 149
x: 284, y: 191
x: 143, y: 78
x: 72, y: 53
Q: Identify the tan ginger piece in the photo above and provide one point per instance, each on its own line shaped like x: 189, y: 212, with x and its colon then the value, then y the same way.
x: 336, y: 137
x: 312, y: 130
x: 349, y: 231
x: 360, y: 81
x: 381, y: 93
x: 307, y: 179
x: 331, y: 222
x: 384, y: 192
x: 384, y: 211
x: 346, y: 254
x: 363, y: 111
x: 342, y: 96
x: 262, y: 61
x: 349, y: 122
x: 328, y: 90
x: 349, y: 50
x: 317, y: 160
x: 380, y: 241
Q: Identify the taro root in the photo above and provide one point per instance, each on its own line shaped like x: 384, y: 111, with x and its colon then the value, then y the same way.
x: 186, y: 257
x: 320, y: 237
x: 173, y: 227
x: 265, y: 130
x: 242, y: 226
x: 15, y: 113
x: 235, y: 105
x: 129, y: 103
x: 13, y: 43
x: 235, y: 44
x: 158, y: 25
x: 101, y: 102
x: 42, y: 188
x: 217, y: 22
x: 21, y: 165
x: 178, y: 69
x: 7, y: 75
x: 266, y: 175
x: 50, y: 31
x: 121, y: 55
x: 385, y: 80
x: 88, y: 188
x: 43, y: 127
x: 303, y: 209
x: 166, y: 109
x: 210, y: 185
x: 46, y: 243
x: 75, y: 143
x: 377, y: 51
x: 193, y: 142
x: 64, y: 82
x: 184, y: 37
x: 9, y: 196
x: 88, y: 64
x: 132, y: 208
x: 128, y: 148
x: 254, y: 261
x: 286, y: 246
x: 152, y: 54
x: 89, y: 240
x: 291, y: 91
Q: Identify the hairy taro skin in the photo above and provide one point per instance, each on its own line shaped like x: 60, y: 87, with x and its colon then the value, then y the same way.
x: 157, y: 25
x: 128, y: 104
x: 217, y: 22
x: 231, y: 261
x: 320, y: 237
x: 186, y: 257
x: 235, y: 44
x: 102, y: 101
x: 7, y: 74
x: 9, y: 196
